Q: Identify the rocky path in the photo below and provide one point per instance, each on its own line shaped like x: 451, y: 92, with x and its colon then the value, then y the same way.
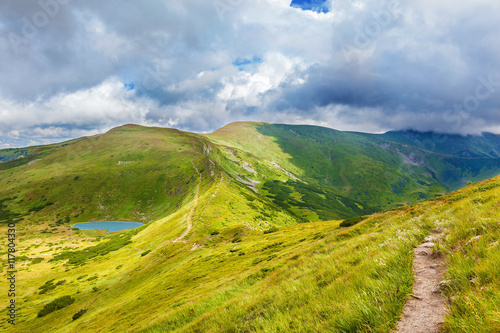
x: 190, y: 215
x: 425, y: 311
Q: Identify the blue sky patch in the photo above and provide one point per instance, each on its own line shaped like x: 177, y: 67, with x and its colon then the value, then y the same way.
x: 319, y: 6
x: 242, y: 63
x: 129, y: 85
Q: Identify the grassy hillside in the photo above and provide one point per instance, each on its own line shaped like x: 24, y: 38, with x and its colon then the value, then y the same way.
x: 129, y: 173
x: 382, y: 171
x: 309, y: 173
x: 142, y: 174
x: 246, y: 263
x: 306, y: 278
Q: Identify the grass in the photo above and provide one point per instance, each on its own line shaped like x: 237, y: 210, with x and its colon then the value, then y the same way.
x: 472, y: 251
x: 313, y: 276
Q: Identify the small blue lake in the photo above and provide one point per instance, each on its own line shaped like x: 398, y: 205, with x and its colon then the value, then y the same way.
x: 110, y: 225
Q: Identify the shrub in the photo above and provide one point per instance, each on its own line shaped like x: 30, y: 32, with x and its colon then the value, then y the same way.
x: 56, y: 304
x: 40, y: 206
x: 79, y: 314
x: 48, y: 286
x: 352, y: 221
x: 80, y: 257
x: 36, y: 260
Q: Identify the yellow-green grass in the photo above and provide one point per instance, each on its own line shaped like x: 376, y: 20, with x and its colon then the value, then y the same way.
x: 316, y: 271
x: 470, y: 220
x: 304, y: 278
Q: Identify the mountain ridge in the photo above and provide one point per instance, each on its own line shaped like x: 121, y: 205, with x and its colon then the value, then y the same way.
x: 381, y: 170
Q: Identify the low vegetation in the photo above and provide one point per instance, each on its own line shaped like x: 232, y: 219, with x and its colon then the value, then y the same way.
x: 79, y: 314
x: 352, y: 221
x: 82, y: 256
x: 56, y: 304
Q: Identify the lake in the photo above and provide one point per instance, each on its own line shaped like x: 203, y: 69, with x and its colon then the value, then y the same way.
x: 110, y: 225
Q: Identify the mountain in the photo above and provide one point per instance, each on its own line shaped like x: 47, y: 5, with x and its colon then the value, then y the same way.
x: 301, y: 173
x: 486, y: 145
x: 254, y: 227
x: 382, y: 171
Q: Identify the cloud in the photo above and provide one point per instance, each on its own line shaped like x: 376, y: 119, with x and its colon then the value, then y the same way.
x: 73, y: 67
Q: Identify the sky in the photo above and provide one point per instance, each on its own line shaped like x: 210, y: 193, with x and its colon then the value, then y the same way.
x: 72, y: 68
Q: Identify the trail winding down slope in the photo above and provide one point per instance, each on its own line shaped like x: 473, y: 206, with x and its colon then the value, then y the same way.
x: 195, y: 203
x: 425, y: 312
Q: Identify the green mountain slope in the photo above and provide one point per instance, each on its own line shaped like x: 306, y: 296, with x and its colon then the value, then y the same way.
x: 129, y: 173
x: 307, y: 277
x: 142, y: 174
x: 306, y: 173
x: 382, y: 171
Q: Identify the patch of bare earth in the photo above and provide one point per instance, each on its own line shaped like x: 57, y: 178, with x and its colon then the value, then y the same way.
x: 426, y: 309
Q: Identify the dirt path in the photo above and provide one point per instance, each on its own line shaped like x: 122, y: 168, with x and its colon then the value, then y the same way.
x: 425, y: 311
x: 189, y: 217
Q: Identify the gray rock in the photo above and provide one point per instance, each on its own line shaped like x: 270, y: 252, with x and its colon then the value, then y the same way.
x: 431, y: 239
x: 470, y: 241
x: 429, y: 245
x: 441, y: 286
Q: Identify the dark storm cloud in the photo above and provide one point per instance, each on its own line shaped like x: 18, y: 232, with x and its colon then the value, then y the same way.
x: 74, y: 67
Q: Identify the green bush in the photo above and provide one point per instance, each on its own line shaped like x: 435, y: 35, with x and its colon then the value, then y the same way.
x: 79, y: 314
x: 49, y: 285
x: 36, y: 260
x: 56, y: 304
x: 80, y: 257
x: 40, y: 206
x: 352, y: 221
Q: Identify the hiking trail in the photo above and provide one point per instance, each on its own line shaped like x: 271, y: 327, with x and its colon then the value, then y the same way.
x: 195, y: 203
x: 425, y: 311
